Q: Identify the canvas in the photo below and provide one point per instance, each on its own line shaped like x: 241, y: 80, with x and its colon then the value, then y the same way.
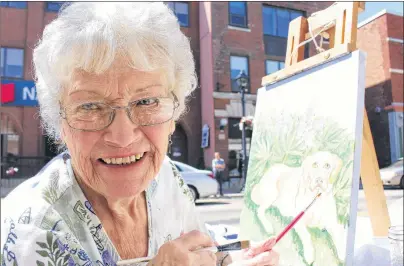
x: 307, y: 139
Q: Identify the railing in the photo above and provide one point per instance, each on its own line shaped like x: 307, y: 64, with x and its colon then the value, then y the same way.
x: 25, y: 167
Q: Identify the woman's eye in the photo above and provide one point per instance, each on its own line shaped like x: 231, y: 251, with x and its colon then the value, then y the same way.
x: 148, y: 101
x: 89, y: 106
x: 327, y: 166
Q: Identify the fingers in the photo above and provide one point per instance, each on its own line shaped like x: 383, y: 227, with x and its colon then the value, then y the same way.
x: 196, y: 239
x: 267, y: 258
x: 261, y: 247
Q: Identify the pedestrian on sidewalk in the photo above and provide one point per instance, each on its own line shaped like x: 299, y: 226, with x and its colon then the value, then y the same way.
x: 218, y: 167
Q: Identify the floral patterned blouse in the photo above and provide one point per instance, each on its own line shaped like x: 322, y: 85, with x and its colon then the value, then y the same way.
x: 47, y: 220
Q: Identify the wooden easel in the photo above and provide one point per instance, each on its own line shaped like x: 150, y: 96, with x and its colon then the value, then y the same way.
x: 339, y: 24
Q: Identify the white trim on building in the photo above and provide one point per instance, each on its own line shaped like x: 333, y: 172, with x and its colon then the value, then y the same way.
x: 396, y: 70
x: 389, y: 39
x: 233, y: 96
x: 379, y: 14
x: 238, y: 28
x: 234, y: 109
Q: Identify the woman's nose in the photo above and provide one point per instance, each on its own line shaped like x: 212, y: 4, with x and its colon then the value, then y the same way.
x: 122, y: 132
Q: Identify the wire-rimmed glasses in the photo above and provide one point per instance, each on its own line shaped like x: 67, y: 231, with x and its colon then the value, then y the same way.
x: 95, y: 116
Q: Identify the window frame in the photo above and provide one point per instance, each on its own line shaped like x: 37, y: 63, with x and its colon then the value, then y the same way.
x: 7, y: 4
x: 278, y: 7
x: 174, y: 3
x: 248, y: 89
x: 5, y: 62
x: 273, y: 60
x: 246, y: 15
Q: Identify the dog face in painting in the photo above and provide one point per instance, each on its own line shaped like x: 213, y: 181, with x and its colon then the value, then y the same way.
x: 320, y: 172
x: 290, y: 189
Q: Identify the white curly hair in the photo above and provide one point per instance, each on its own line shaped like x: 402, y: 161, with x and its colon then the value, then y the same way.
x: 91, y: 36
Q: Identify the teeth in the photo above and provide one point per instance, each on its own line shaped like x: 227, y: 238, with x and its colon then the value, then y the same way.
x: 124, y: 160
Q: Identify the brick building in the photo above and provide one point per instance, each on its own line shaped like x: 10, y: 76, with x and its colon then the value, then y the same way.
x: 21, y: 25
x: 226, y: 37
x: 234, y: 36
x: 381, y: 37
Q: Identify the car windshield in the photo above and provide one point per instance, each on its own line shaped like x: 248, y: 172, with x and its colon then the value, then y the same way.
x: 399, y: 162
x: 185, y: 168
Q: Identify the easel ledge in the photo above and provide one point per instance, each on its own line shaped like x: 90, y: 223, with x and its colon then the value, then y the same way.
x: 339, y: 24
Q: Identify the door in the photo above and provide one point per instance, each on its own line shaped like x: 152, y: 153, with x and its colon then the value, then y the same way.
x: 179, y: 147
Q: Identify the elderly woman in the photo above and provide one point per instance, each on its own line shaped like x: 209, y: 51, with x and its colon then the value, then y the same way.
x: 112, y: 78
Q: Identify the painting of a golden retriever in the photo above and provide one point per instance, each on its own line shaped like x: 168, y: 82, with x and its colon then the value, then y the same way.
x: 316, y: 174
x: 307, y: 139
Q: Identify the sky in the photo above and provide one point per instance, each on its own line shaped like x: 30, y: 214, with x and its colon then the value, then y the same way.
x: 372, y: 8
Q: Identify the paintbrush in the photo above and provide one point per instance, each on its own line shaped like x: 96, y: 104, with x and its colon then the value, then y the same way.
x: 239, y: 245
x: 296, y: 219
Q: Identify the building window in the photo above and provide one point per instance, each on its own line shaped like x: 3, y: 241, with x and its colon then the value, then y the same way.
x: 9, y: 137
x: 12, y: 62
x: 181, y: 10
x: 238, y: 14
x: 237, y: 63
x: 54, y: 6
x: 14, y: 4
x: 272, y: 66
x: 275, y: 22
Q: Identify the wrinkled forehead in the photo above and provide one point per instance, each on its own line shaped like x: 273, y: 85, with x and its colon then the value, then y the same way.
x: 119, y: 82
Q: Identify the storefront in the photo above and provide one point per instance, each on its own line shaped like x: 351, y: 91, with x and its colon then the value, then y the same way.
x: 23, y: 142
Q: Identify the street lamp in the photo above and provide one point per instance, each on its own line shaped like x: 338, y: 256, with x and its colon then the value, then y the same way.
x: 242, y: 82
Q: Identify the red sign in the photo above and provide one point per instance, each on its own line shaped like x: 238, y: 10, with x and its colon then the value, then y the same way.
x: 7, y: 93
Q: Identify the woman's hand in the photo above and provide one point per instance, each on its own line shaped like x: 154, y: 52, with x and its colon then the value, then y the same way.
x: 181, y: 251
x: 258, y: 255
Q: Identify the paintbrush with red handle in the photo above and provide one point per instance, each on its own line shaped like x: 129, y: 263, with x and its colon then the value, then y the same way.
x: 292, y: 223
x: 268, y: 245
x: 239, y: 245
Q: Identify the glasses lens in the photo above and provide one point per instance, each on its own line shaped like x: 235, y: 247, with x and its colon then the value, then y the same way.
x: 152, y: 111
x: 89, y: 116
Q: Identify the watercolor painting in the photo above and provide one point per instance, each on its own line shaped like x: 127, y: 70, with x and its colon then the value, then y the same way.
x: 307, y: 139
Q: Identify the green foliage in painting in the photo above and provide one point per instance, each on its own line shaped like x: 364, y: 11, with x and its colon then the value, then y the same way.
x: 289, y: 139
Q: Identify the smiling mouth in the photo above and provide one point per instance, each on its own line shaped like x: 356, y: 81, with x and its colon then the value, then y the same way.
x: 123, y: 160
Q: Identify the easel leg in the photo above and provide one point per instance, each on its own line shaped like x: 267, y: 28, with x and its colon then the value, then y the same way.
x: 372, y: 184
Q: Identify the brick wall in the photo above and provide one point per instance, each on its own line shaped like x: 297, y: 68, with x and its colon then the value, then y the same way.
x: 227, y: 41
x: 20, y: 28
x: 395, y: 30
x: 382, y: 87
x: 191, y: 122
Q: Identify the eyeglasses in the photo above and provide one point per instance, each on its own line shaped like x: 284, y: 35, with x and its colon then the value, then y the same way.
x: 95, y: 116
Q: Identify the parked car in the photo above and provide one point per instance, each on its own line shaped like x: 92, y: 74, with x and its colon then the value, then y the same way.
x: 392, y: 175
x: 201, y: 182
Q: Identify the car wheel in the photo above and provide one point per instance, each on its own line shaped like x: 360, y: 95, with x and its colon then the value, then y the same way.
x: 194, y: 193
x: 402, y: 182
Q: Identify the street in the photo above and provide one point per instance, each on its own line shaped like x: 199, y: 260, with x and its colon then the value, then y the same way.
x: 227, y: 210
